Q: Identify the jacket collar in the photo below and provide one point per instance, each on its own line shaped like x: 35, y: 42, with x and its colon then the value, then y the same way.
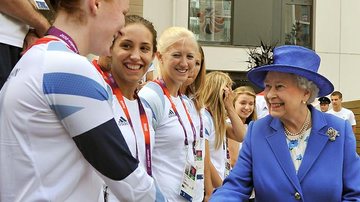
x: 317, y: 142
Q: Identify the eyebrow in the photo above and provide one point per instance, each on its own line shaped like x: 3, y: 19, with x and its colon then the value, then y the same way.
x: 128, y: 40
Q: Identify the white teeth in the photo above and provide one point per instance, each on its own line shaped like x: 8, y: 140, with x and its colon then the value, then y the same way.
x: 134, y: 67
x: 182, y: 70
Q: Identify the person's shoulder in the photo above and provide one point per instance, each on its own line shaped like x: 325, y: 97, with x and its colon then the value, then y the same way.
x: 189, y: 104
x: 339, y: 124
x: 151, y: 86
x: 153, y: 97
x: 58, y: 52
x: 152, y: 93
x: 264, y: 120
x: 71, y: 64
x: 261, y: 124
x: 186, y: 98
x: 331, y: 118
x: 346, y: 110
x: 207, y: 114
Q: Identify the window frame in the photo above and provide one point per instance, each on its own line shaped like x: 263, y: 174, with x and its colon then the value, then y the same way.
x: 277, y: 33
x: 208, y: 42
x: 302, y: 3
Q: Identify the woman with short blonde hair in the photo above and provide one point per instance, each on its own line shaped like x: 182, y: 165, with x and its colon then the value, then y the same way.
x: 176, y: 135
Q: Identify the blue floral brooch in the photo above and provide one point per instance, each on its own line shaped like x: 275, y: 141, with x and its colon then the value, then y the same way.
x: 332, y: 133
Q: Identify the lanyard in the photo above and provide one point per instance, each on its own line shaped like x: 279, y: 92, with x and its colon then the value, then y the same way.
x: 167, y: 94
x: 201, y: 126
x: 105, y: 75
x: 65, y: 37
x: 226, y: 146
x: 145, y: 127
x: 143, y: 118
x: 122, y: 103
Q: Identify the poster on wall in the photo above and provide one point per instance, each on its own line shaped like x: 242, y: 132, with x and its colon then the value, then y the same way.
x: 214, y: 20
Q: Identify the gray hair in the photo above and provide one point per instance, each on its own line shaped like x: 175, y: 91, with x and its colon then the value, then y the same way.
x: 310, y: 86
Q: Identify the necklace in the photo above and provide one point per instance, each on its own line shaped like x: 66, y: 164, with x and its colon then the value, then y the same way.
x: 300, y: 133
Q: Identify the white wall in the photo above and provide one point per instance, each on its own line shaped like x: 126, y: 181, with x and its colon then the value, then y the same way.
x: 338, y: 43
x: 159, y: 12
x: 336, y: 39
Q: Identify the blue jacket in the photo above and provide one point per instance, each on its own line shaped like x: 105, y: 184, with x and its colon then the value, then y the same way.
x: 330, y: 170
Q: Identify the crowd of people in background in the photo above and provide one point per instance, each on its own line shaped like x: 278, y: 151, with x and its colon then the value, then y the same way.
x: 112, y: 130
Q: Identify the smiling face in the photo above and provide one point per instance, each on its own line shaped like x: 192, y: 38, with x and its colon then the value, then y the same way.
x: 109, y: 19
x: 132, y: 54
x: 194, y: 71
x: 283, y: 96
x: 177, y: 61
x: 244, y: 105
x: 324, y: 107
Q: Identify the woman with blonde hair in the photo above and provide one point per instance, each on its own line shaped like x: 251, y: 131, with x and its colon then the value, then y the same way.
x: 175, y: 148
x: 218, y: 101
x: 244, y: 104
x: 190, y: 90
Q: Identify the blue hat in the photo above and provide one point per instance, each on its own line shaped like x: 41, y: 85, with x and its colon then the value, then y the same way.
x: 295, y: 60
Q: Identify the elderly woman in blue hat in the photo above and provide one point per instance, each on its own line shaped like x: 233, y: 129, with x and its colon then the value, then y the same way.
x: 296, y: 152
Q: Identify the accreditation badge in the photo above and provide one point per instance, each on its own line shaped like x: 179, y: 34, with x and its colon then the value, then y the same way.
x: 189, y: 180
x: 41, y: 5
x: 199, y: 160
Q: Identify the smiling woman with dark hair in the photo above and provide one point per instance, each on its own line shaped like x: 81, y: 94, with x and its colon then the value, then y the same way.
x: 296, y: 152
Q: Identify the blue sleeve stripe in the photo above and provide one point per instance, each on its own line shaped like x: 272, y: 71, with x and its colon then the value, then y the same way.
x: 105, y: 148
x: 207, y: 132
x: 58, y: 46
x: 63, y: 111
x: 144, y: 102
x: 73, y: 84
x: 158, y: 90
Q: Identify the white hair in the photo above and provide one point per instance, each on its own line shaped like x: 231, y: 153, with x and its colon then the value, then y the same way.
x: 310, y: 86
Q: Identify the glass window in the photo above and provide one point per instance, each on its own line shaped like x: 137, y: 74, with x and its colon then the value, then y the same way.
x: 246, y: 22
x: 298, y: 23
x: 210, y: 20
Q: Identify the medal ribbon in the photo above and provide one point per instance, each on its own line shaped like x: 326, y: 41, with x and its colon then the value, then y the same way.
x: 63, y: 36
